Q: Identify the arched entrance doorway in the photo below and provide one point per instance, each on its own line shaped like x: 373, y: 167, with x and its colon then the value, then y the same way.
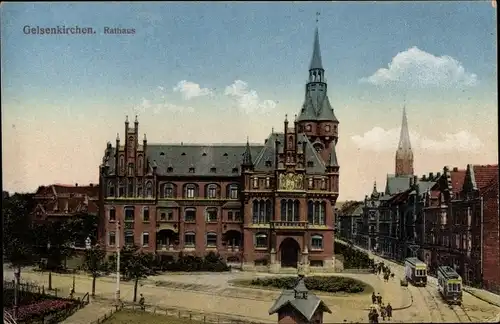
x: 289, y: 250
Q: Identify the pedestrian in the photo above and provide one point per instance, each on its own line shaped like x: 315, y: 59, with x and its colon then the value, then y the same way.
x: 374, y: 298
x: 379, y: 299
x: 382, y: 312
x: 142, y: 303
x: 388, y: 310
x: 372, y: 316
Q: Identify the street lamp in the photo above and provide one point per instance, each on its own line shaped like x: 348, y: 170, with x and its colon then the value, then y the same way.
x: 17, y: 274
x: 118, y: 234
x: 48, y: 265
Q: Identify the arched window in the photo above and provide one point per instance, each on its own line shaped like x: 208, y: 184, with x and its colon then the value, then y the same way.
x: 212, y: 191
x: 149, y: 190
x: 190, y: 190
x: 190, y: 239
x: 169, y: 190
x: 290, y: 142
x: 211, y: 215
x: 130, y: 169
x: 130, y: 188
x: 211, y: 239
x: 261, y: 241
x: 140, y: 163
x: 233, y: 191
x: 316, y: 212
x: 111, y: 189
x: 317, y: 242
x: 122, y: 161
x: 121, y: 189
x: 290, y: 210
x: 262, y: 211
x: 140, y: 192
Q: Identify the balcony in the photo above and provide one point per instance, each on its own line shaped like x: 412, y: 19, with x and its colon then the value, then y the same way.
x: 301, y: 225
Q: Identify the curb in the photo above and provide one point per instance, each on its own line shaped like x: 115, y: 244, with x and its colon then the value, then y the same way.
x: 481, y: 298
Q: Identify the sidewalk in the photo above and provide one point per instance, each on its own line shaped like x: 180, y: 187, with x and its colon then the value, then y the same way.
x: 484, y: 295
x: 90, y: 313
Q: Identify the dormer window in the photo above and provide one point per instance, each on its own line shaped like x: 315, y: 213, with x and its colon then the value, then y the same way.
x: 162, y: 154
x: 268, y: 164
x: 310, y: 164
x: 191, y: 170
x: 204, y: 154
x: 225, y: 154
x: 170, y: 170
x: 183, y: 154
x: 213, y: 170
x: 235, y: 170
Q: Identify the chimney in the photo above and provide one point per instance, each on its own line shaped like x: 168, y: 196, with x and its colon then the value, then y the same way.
x: 431, y: 176
x: 415, y: 179
x: 91, y: 185
x: 76, y: 184
x: 438, y: 175
x: 455, y: 169
x: 424, y: 178
x: 411, y: 182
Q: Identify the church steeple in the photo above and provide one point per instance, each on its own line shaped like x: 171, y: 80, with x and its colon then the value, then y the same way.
x: 404, y: 154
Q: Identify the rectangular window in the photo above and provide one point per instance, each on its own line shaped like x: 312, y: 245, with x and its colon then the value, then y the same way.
x: 139, y: 191
x: 211, y: 240
x: 268, y: 182
x: 112, y: 215
x: 170, y: 215
x: 130, y: 190
x: 190, y: 215
x: 145, y: 239
x: 190, y: 192
x: 121, y: 191
x: 145, y: 214
x: 317, y: 243
x: 256, y: 183
x: 112, y: 191
x: 189, y: 240
x: 234, y: 215
x: 112, y: 239
x: 129, y: 214
x: 233, y: 192
x: 169, y: 192
x: 212, y: 192
x: 129, y: 238
x: 211, y: 215
x: 163, y: 216
x: 261, y: 241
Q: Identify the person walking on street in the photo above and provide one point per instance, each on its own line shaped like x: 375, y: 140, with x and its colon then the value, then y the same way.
x: 382, y: 312
x: 379, y: 299
x: 388, y: 310
x: 142, y: 303
x: 374, y: 298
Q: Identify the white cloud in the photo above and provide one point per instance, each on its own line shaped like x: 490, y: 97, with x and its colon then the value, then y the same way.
x: 417, y: 68
x: 248, y: 100
x: 158, y: 106
x: 191, y: 90
x: 379, y: 139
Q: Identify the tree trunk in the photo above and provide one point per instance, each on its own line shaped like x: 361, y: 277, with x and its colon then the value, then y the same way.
x: 135, y: 289
x: 93, y: 285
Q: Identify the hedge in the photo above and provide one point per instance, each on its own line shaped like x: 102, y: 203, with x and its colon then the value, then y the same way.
x: 353, y: 258
x: 332, y: 284
x: 189, y: 263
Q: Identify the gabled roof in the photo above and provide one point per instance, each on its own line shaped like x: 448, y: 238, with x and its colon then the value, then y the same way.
x: 305, y: 306
x: 396, y: 184
x: 484, y: 174
x: 266, y: 162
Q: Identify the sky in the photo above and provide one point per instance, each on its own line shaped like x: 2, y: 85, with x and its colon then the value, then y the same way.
x: 219, y: 72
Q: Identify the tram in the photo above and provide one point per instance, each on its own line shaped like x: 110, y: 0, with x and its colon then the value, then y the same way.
x: 416, y: 272
x: 450, y: 285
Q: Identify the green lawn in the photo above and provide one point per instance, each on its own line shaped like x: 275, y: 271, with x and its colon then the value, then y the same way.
x: 134, y: 317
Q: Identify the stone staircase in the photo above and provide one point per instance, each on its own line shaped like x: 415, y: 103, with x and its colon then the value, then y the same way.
x: 94, y: 311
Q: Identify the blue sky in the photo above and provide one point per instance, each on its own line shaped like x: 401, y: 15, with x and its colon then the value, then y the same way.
x: 66, y: 79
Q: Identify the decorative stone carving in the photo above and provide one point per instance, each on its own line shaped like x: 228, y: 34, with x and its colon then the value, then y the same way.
x: 291, y: 181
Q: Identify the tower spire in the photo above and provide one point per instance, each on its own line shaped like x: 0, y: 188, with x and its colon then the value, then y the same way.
x: 247, y: 156
x: 316, y: 62
x: 404, y: 137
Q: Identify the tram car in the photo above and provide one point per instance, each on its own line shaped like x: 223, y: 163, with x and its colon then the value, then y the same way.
x: 416, y: 272
x: 450, y: 285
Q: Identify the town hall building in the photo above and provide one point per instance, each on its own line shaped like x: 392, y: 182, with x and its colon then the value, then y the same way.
x: 266, y: 206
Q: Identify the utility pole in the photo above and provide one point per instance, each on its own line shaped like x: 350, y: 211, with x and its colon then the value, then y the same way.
x: 118, y: 234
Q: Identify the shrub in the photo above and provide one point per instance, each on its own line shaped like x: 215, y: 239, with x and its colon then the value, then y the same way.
x: 189, y: 263
x: 353, y: 258
x: 330, y: 284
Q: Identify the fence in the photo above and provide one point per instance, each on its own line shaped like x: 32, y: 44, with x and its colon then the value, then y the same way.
x: 31, y: 293
x: 186, y: 315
